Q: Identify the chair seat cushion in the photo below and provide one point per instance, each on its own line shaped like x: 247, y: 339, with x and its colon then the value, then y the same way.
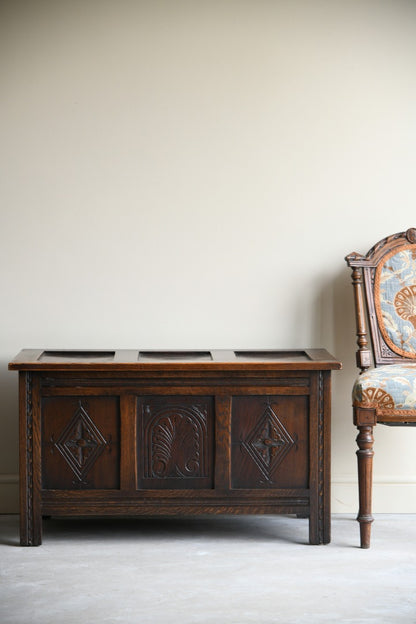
x: 388, y: 389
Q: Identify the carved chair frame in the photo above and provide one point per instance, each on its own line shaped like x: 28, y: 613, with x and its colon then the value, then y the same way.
x: 372, y: 345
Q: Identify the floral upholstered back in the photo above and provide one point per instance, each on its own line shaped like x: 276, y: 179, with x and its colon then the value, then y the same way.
x: 395, y: 300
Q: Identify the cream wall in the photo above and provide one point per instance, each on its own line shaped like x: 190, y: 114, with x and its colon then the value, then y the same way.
x: 192, y: 174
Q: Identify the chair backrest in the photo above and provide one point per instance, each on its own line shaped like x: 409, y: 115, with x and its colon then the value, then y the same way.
x: 384, y: 283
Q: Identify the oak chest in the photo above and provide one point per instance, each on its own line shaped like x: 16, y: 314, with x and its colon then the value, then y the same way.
x: 129, y: 433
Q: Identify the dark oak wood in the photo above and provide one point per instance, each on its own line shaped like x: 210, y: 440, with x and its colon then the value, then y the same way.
x: 365, y: 454
x: 174, y: 432
x: 80, y: 442
x: 363, y: 278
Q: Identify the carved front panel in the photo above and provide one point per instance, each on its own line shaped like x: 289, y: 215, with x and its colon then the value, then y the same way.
x: 175, y: 442
x: 80, y: 443
x: 270, y: 442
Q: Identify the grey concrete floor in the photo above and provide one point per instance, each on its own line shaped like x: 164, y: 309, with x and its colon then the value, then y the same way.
x: 254, y: 569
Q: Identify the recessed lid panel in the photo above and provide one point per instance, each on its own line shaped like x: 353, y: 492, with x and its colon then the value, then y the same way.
x: 272, y: 356
x: 175, y: 356
x: 77, y: 356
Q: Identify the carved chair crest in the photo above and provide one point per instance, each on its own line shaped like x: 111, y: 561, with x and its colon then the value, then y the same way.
x: 387, y: 274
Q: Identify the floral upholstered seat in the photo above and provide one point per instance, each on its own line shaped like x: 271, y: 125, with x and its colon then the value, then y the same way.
x: 389, y: 390
x: 384, y: 283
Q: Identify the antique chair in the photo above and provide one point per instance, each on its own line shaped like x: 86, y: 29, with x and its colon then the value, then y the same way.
x: 384, y: 284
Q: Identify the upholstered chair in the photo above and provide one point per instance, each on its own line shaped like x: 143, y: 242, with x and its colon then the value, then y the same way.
x: 384, y: 282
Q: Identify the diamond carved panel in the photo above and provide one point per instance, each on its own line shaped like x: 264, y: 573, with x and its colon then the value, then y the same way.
x: 268, y: 443
x: 81, y: 443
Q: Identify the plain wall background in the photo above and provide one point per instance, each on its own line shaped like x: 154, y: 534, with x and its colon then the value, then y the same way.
x: 191, y: 175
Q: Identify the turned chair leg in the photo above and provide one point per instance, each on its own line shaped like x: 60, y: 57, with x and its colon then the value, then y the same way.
x: 365, y: 454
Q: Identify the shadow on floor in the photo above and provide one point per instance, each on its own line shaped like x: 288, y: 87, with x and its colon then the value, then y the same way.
x: 247, y: 528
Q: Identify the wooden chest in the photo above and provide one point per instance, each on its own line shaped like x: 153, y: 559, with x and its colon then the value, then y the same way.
x: 129, y: 433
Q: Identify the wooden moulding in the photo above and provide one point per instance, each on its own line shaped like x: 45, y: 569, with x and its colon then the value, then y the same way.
x: 136, y: 360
